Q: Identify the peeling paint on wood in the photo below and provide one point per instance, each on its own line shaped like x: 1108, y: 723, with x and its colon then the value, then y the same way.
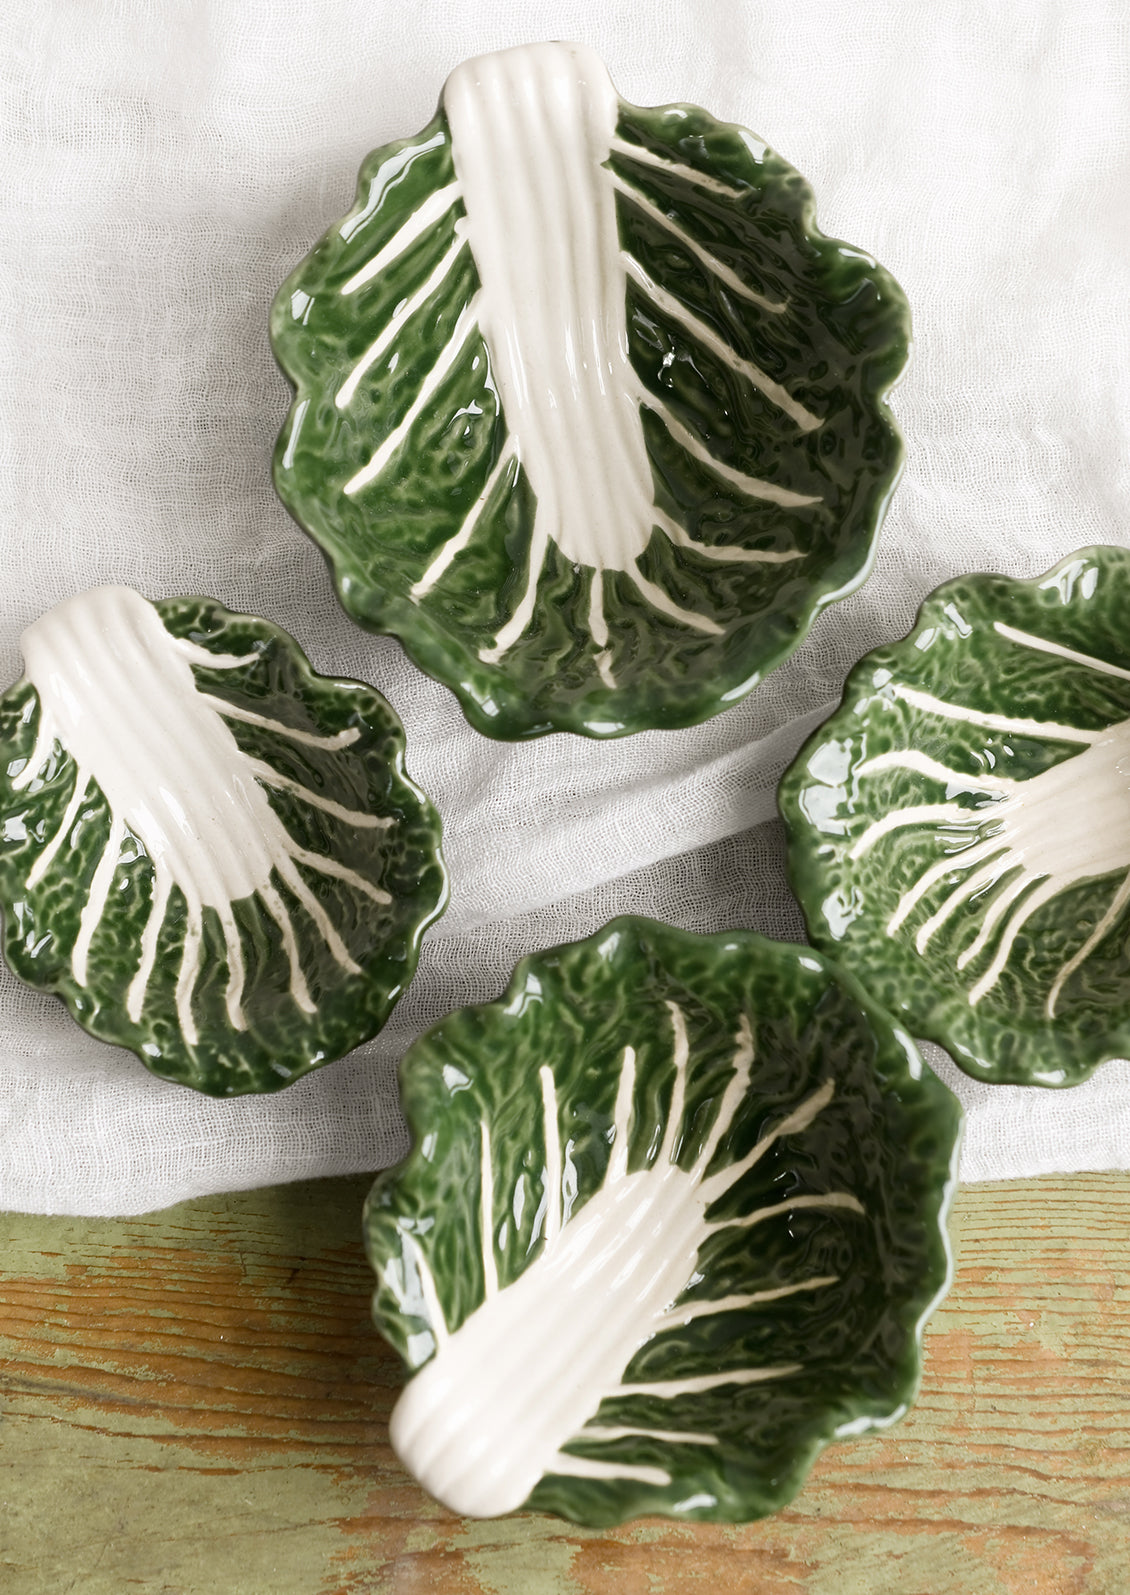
x: 194, y: 1403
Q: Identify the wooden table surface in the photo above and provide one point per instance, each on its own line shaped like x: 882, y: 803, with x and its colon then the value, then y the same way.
x: 194, y: 1403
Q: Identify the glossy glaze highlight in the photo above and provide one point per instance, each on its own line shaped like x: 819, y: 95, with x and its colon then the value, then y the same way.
x: 606, y: 428
x: 626, y: 1248
x: 189, y: 856
x: 961, y: 827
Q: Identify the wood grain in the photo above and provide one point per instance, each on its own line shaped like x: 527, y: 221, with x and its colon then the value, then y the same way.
x: 194, y: 1403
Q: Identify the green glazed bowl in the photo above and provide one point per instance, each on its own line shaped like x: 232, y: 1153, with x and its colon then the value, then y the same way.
x: 959, y: 830
x: 674, y: 1218
x: 210, y: 853
x: 587, y: 412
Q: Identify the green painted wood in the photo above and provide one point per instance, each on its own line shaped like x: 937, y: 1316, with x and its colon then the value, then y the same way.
x: 194, y: 1403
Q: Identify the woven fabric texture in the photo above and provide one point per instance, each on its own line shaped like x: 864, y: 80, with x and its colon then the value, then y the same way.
x: 163, y: 168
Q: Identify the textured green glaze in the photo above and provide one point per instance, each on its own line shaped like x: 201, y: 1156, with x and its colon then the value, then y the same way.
x: 1025, y: 659
x: 886, y: 1136
x: 837, y: 348
x: 280, y: 1041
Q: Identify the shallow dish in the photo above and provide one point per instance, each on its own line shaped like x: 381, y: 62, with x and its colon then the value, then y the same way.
x: 959, y: 830
x: 674, y: 1218
x: 587, y: 412
x: 210, y: 853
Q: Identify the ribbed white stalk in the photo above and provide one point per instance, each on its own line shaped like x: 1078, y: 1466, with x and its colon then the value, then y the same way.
x: 1030, y: 842
x: 117, y: 691
x: 531, y: 129
x: 524, y: 1374
x: 532, y: 133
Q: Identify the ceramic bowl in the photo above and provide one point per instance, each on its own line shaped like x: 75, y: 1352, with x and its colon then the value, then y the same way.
x: 587, y: 412
x: 210, y: 853
x: 959, y: 830
x: 674, y: 1218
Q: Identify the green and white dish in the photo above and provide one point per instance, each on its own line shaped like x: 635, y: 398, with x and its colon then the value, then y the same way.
x: 212, y: 854
x: 960, y: 828
x: 587, y: 412
x: 673, y: 1219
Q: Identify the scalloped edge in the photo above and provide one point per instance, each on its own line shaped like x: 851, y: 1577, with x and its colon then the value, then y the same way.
x: 942, y: 1180
x: 442, y: 656
x: 1061, y: 1061
x: 63, y: 988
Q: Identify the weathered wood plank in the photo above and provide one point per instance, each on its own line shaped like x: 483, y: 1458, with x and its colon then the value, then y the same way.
x: 194, y: 1403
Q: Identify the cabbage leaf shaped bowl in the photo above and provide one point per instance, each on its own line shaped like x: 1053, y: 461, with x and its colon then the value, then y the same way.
x: 959, y: 830
x: 210, y: 853
x: 673, y: 1219
x: 587, y: 412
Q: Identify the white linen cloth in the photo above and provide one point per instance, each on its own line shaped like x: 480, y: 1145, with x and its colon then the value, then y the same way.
x: 164, y: 166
